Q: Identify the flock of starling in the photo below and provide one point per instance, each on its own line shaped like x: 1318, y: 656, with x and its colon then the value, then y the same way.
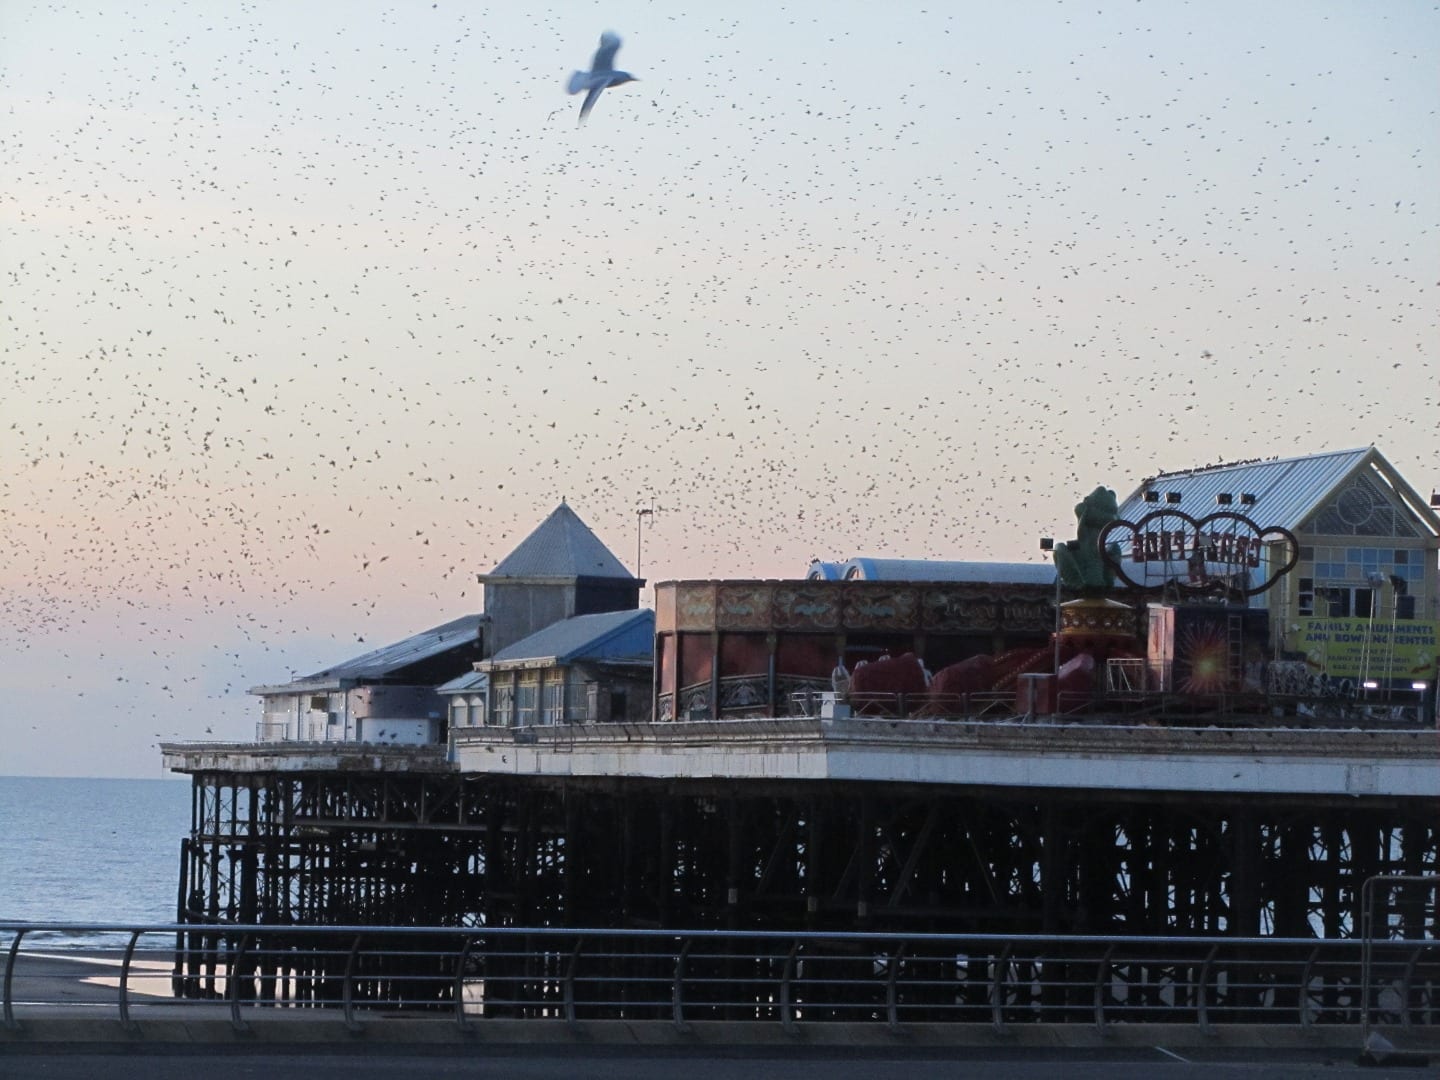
x: 307, y: 321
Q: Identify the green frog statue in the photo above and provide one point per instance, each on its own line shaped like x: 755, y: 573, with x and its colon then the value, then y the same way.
x: 1079, y: 561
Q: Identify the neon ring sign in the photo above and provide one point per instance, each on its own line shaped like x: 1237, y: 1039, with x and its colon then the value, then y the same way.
x: 1221, y: 552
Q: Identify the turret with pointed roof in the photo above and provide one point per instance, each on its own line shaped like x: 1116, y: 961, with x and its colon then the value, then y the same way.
x: 560, y: 570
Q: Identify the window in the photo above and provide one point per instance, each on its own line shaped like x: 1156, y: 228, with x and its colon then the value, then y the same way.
x: 527, y: 696
x: 1363, y: 604
x: 504, y: 699
x: 1363, y: 509
x: 1389, y: 575
x: 577, y: 702
x: 1360, y: 602
x: 555, y: 703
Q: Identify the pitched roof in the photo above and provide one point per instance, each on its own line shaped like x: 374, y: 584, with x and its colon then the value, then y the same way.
x: 388, y: 659
x: 1287, y: 490
x: 1008, y: 573
x: 609, y: 635
x: 562, y: 546
x: 471, y: 680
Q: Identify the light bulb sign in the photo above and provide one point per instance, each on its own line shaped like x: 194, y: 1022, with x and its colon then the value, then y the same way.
x: 1221, y: 553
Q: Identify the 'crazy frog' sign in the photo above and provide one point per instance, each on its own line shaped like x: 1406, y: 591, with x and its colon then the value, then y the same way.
x: 1222, y: 552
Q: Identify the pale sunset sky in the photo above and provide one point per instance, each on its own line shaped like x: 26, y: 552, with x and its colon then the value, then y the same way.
x: 313, y: 311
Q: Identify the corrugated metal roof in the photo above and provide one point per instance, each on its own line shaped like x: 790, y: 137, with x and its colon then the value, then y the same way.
x: 382, y: 662
x: 562, y: 546
x: 467, y: 683
x: 1286, y: 490
x: 421, y: 646
x: 610, y: 635
x: 1009, y: 573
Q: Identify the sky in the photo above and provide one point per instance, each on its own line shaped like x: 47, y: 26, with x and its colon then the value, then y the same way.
x: 312, y: 312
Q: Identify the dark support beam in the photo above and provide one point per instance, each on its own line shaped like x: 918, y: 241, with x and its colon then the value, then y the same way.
x: 1244, y: 843
x: 815, y: 866
x: 779, y: 853
x: 1053, y: 870
x: 506, y: 851
x: 734, y: 861
x: 866, y: 847
x: 918, y: 847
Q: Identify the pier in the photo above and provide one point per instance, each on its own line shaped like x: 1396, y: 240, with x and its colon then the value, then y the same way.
x: 812, y: 824
x: 1129, y: 745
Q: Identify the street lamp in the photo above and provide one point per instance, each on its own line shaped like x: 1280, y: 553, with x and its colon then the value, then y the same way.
x: 1047, y: 543
x: 641, y: 514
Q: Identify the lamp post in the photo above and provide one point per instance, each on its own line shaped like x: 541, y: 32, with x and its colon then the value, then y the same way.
x: 641, y: 514
x: 1047, y: 543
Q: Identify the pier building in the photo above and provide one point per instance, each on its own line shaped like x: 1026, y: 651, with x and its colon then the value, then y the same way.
x: 1102, y: 747
x: 386, y: 695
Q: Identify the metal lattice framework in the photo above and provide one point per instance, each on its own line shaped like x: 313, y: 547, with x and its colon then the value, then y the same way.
x: 493, y: 851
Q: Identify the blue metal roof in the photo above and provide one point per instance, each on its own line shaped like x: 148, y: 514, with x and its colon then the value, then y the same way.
x: 612, y: 635
x: 389, y: 659
x: 1006, y: 573
x: 470, y: 682
x: 1287, y: 490
x: 562, y: 546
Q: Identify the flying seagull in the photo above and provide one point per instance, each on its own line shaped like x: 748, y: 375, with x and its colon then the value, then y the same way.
x: 602, y: 73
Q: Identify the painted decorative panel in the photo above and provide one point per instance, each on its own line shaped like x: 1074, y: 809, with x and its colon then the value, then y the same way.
x: 880, y: 607
x: 804, y: 606
x: 960, y: 608
x: 859, y: 606
x: 695, y: 606
x: 743, y: 606
x: 1028, y: 615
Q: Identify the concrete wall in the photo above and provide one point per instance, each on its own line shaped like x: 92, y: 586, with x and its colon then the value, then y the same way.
x: 398, y: 731
x: 294, y: 717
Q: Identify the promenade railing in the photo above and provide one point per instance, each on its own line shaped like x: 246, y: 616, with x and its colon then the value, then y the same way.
x: 467, y: 976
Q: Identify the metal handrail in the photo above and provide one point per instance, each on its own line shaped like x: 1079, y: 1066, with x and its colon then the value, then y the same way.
x: 1102, y: 973
x: 1369, y: 940
x: 460, y: 963
x: 356, y: 971
x: 892, y: 1015
x: 232, y: 984
x: 1202, y: 1008
x: 677, y: 992
x: 997, y: 989
x: 787, y: 1020
x: 1301, y: 1000
x: 9, y: 995
x: 569, y: 979
x: 124, y: 1002
x: 349, y: 991
x: 1406, y: 982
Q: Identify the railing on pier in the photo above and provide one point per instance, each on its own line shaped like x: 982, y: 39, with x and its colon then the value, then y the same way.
x: 304, y: 731
x: 1395, y: 909
x: 466, y: 976
x: 1113, y: 703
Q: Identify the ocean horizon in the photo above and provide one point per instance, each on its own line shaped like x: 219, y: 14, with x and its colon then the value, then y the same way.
x: 88, y: 850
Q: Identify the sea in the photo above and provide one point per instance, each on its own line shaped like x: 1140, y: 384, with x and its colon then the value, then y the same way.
x: 91, y: 851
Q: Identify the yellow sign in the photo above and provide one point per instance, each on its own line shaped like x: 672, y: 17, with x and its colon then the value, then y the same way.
x: 1366, y: 649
